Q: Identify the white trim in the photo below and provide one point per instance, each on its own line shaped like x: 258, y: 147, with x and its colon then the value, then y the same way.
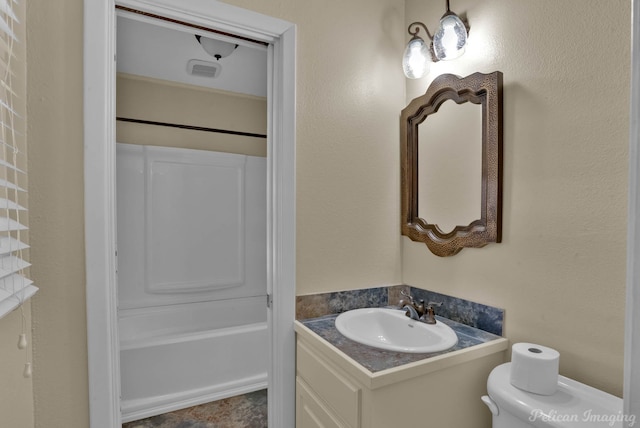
x: 100, y: 241
x: 139, y: 409
x: 215, y: 14
x: 100, y: 244
x: 632, y: 322
x: 281, y: 231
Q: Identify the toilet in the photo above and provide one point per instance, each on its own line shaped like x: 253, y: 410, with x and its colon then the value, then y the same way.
x: 574, y: 404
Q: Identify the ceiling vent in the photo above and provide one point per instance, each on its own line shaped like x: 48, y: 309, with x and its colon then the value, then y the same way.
x: 197, y: 67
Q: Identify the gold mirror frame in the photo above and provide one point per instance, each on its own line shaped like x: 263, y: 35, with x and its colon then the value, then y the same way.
x: 478, y: 88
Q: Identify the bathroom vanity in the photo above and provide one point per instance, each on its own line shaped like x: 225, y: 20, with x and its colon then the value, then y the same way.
x: 341, y: 383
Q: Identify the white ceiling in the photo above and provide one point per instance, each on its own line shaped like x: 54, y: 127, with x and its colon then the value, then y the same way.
x: 154, y: 48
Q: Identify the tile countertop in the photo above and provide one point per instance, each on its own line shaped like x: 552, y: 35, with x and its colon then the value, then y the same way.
x: 376, y: 360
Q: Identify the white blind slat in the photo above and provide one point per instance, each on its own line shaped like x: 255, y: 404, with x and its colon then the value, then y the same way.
x: 9, y: 185
x: 9, y: 225
x: 9, y: 245
x: 6, y: 29
x: 4, y: 104
x: 15, y: 287
x: 14, y: 290
x: 8, y: 204
x: 14, y: 282
x: 6, y: 87
x: 10, y: 302
x: 5, y: 7
x: 10, y: 166
x: 10, y: 264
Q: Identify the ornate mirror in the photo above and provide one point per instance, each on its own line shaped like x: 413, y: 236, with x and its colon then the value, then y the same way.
x: 452, y: 163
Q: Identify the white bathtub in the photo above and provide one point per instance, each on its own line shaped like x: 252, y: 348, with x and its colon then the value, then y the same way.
x: 183, y: 355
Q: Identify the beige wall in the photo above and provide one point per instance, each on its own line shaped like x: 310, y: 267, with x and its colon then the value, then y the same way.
x: 161, y: 101
x: 56, y: 189
x: 16, y: 392
x: 350, y: 91
x: 560, y: 270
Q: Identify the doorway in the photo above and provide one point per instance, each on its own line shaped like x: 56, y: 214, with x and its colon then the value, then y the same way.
x: 191, y: 215
x: 100, y: 204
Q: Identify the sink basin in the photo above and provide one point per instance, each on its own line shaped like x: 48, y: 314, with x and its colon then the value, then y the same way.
x: 392, y: 330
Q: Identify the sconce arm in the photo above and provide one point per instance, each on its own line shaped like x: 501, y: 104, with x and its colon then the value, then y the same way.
x: 417, y: 26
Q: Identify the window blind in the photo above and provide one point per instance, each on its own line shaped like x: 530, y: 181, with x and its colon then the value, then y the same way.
x: 15, y: 286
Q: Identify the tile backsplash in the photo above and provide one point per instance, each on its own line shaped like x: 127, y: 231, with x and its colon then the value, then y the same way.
x: 317, y: 305
x: 483, y: 317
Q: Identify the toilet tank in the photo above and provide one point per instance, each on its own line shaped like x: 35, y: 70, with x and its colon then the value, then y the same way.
x: 573, y: 405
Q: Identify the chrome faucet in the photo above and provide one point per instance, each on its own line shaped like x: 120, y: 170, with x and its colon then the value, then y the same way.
x: 411, y: 312
x: 419, y: 311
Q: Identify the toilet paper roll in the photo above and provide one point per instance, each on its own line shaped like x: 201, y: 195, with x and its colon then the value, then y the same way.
x: 534, y: 368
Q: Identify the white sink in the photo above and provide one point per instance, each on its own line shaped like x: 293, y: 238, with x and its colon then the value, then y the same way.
x: 392, y: 330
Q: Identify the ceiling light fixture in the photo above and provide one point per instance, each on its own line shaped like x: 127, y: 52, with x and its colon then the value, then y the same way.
x: 448, y: 42
x: 216, y: 48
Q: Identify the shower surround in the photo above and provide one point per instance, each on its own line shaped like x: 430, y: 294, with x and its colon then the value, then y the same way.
x: 191, y: 277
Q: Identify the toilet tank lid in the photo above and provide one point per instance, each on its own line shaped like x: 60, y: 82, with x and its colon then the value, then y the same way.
x: 573, y: 405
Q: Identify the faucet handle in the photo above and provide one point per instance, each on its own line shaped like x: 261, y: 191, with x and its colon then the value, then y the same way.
x: 407, y: 295
x: 429, y: 314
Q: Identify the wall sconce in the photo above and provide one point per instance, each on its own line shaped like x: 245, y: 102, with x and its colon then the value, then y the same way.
x: 447, y: 43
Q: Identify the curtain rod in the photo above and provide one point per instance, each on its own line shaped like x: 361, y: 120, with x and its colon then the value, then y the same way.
x: 190, y: 127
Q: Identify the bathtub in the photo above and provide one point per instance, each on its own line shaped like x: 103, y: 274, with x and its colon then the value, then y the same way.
x: 179, y: 356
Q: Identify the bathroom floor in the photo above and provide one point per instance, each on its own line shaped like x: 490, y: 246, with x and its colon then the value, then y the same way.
x: 244, y: 411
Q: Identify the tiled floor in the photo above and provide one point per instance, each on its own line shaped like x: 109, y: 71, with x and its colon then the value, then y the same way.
x: 245, y: 411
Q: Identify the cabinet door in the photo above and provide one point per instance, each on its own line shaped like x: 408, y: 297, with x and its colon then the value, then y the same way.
x: 310, y: 412
x: 329, y: 385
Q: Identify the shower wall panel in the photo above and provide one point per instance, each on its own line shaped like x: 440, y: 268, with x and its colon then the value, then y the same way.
x: 191, y: 226
x: 191, y: 277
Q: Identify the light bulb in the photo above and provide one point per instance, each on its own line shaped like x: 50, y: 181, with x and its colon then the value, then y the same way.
x: 416, y: 59
x: 451, y: 38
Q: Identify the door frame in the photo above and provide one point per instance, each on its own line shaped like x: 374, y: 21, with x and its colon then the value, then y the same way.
x: 100, y: 210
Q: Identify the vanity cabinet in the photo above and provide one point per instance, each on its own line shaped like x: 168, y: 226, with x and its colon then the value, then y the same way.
x: 311, y: 411
x: 325, y: 394
x: 334, y: 390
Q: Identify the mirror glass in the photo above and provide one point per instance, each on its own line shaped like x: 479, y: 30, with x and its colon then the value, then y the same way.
x: 450, y: 163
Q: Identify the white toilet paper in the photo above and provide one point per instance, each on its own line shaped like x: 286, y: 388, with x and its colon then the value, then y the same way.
x: 534, y: 368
